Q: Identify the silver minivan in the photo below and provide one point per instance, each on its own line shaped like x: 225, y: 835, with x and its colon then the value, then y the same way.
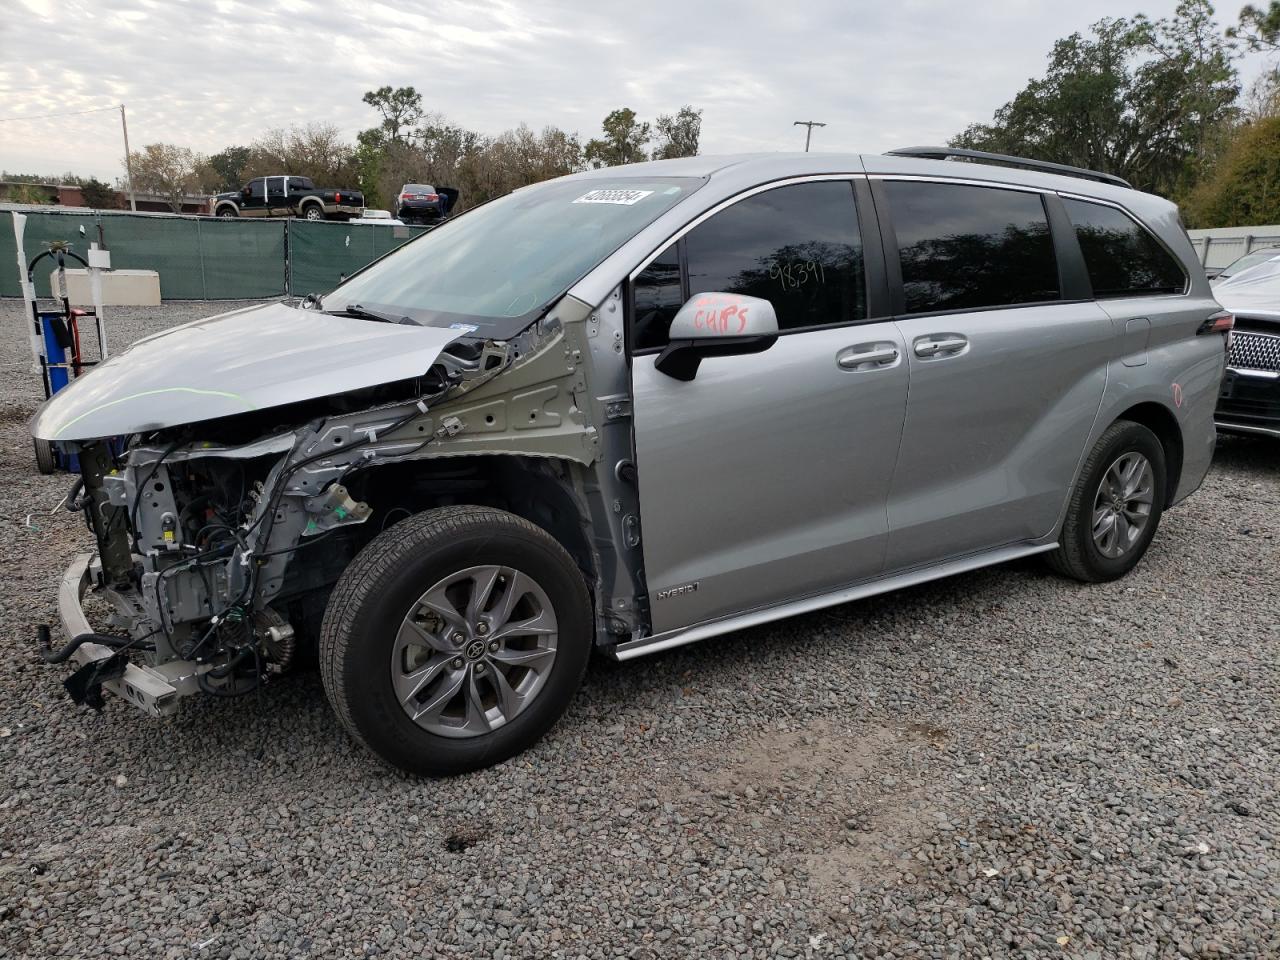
x: 630, y: 409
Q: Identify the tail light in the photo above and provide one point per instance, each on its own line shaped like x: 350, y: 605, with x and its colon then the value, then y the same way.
x: 431, y: 196
x: 1221, y: 322
x: 406, y: 196
x: 337, y: 198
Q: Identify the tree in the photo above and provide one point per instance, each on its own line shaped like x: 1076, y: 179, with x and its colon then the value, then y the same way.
x: 1141, y: 99
x: 172, y: 172
x: 226, y: 168
x: 517, y: 158
x: 29, y: 192
x: 99, y: 195
x: 623, y: 142
x: 1245, y: 187
x: 316, y: 150
x: 401, y: 109
x: 1259, y: 29
x: 678, y: 135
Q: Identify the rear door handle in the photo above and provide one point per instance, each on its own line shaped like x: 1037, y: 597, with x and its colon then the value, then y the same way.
x: 940, y: 345
x: 867, y: 356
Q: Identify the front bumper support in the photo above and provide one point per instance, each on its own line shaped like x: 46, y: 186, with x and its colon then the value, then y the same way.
x: 155, y: 691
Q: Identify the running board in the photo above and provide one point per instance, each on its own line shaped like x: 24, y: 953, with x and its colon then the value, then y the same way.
x: 678, y: 638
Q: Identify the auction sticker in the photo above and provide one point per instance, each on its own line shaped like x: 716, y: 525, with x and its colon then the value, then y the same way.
x: 623, y: 198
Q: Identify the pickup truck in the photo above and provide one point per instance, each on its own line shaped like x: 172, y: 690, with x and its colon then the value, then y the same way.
x: 287, y: 197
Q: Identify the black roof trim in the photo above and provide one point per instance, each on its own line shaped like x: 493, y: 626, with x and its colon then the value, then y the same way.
x: 981, y: 156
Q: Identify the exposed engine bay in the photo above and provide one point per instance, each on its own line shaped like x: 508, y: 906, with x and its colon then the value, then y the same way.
x: 219, y: 541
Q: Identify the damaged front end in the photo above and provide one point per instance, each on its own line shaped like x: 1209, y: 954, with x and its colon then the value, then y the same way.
x: 219, y: 539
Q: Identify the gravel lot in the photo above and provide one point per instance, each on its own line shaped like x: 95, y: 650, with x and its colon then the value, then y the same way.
x: 1000, y: 764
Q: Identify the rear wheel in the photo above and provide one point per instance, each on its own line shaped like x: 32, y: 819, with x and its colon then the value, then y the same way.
x: 1115, y: 507
x: 313, y: 212
x: 455, y: 639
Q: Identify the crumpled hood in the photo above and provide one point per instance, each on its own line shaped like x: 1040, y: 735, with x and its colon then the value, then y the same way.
x: 250, y: 359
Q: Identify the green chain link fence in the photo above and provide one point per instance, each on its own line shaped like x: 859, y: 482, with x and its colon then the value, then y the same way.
x: 206, y: 258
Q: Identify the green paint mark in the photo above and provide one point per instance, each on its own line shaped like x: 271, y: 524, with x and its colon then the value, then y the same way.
x: 153, y: 393
x: 340, y: 513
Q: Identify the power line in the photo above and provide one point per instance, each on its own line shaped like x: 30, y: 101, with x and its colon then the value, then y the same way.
x: 47, y: 116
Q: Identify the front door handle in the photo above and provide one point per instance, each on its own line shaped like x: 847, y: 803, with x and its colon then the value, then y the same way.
x: 867, y: 356
x: 940, y: 345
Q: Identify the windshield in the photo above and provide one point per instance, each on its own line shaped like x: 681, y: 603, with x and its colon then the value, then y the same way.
x: 1249, y: 260
x: 497, y: 267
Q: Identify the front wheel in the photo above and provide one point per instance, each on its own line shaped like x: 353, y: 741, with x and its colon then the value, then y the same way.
x: 1115, y: 506
x: 227, y: 212
x: 455, y: 639
x: 46, y: 462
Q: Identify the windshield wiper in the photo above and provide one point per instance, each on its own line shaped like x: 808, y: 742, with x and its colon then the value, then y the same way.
x: 364, y: 313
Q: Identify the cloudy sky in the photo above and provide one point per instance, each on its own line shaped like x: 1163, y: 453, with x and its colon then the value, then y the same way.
x: 208, y: 73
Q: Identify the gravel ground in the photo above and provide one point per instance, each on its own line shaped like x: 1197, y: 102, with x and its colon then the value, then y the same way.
x: 999, y: 764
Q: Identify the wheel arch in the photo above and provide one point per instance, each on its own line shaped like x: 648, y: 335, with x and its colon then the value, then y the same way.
x: 307, y: 202
x: 1161, y: 421
x: 536, y: 489
x: 226, y: 205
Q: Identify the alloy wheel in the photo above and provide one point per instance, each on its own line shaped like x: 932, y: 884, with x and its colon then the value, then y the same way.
x: 474, y: 651
x: 1122, y: 505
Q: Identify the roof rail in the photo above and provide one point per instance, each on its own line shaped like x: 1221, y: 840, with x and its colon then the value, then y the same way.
x: 981, y: 156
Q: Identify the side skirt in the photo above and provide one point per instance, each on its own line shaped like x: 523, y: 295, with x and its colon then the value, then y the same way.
x: 870, y: 588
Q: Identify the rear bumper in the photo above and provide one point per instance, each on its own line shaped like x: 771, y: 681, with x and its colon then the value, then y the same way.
x: 426, y: 211
x: 155, y: 691
x: 1249, y: 402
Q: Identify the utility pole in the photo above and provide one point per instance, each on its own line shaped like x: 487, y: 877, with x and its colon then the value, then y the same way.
x: 128, y: 163
x: 810, y: 124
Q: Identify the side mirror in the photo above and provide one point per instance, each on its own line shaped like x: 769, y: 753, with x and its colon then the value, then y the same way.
x: 716, y: 325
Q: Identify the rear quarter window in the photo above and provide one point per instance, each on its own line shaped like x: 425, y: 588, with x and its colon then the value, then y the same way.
x: 1121, y: 255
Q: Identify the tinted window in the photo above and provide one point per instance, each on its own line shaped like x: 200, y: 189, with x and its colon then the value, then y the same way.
x: 255, y: 188
x: 797, y: 247
x: 967, y: 247
x: 657, y: 294
x: 1123, y: 259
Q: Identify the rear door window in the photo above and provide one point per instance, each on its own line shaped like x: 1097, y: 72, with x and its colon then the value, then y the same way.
x: 797, y: 246
x: 1123, y: 258
x: 964, y: 247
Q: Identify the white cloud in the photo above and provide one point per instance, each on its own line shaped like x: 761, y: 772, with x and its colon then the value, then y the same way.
x: 208, y: 73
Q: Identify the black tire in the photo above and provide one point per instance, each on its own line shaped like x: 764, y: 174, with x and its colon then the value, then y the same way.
x: 1078, y: 555
x: 384, y: 582
x: 228, y: 212
x: 313, y: 212
x: 46, y: 462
